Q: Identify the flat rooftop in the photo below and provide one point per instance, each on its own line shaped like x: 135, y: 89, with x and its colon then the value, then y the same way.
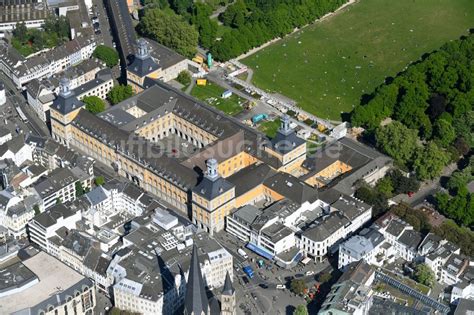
x: 48, y: 270
x: 21, y: 11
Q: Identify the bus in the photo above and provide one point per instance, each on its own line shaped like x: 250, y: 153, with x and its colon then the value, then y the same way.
x: 21, y: 114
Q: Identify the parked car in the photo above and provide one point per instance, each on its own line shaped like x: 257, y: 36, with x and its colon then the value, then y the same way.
x: 281, y: 286
x: 310, y: 273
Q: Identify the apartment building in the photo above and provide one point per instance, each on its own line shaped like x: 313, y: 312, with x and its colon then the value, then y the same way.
x: 23, y: 70
x: 60, y: 186
x: 367, y: 245
x: 16, y: 150
x: 347, y: 214
x: 44, y: 225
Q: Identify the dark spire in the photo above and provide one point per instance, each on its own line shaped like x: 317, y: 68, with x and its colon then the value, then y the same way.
x: 228, y: 288
x: 196, y: 302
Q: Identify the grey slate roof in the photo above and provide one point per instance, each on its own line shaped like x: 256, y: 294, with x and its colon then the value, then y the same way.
x: 164, y: 56
x: 247, y: 214
x: 96, y: 196
x: 56, y: 180
x: 67, y: 104
x: 143, y: 67
x: 50, y: 217
x: 292, y: 188
x: 14, y: 145
x: 411, y: 239
x: 284, y: 143
x: 396, y: 227
x: 250, y: 177
x: 211, y: 189
x: 465, y: 306
x: 325, y: 227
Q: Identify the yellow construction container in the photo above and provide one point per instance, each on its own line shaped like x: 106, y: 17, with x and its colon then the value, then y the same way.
x: 198, y: 59
x: 202, y: 82
x: 321, y: 127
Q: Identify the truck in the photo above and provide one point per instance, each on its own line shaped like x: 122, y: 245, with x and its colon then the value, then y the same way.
x: 248, y: 271
x: 259, y: 117
x: 242, y: 253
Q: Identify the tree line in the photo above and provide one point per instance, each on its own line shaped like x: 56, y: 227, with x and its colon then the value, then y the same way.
x: 248, y: 23
x: 423, y: 118
x: 255, y: 22
x: 458, y: 202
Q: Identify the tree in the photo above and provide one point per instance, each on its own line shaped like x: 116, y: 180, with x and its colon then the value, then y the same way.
x: 79, y: 189
x: 170, y: 30
x: 444, y: 133
x: 429, y: 161
x: 301, y: 310
x: 107, y: 55
x: 21, y: 32
x: 377, y: 200
x: 459, y: 179
x: 184, y: 78
x: 396, y: 140
x: 463, y: 237
x: 415, y: 217
x: 94, y: 104
x: 161, y: 4
x: 424, y: 275
x: 99, y: 180
x: 324, y: 277
x: 461, y: 146
x: 378, y: 108
x: 119, y: 93
x: 385, y: 186
x: 403, y: 184
x: 298, y: 286
x: 36, y: 209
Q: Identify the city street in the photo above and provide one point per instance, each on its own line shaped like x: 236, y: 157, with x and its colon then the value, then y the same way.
x: 260, y: 295
x: 34, y: 125
x: 99, y: 11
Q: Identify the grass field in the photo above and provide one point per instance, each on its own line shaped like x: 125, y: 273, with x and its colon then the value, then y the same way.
x: 270, y: 127
x: 328, y: 66
x: 211, y: 94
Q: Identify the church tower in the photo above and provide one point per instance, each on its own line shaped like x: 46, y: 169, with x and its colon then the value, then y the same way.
x: 196, y: 302
x: 228, y: 302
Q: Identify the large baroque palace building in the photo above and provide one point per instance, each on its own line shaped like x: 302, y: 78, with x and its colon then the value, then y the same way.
x: 185, y: 152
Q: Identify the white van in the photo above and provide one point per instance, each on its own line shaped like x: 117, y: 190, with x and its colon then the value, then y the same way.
x: 281, y: 287
x: 242, y: 253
